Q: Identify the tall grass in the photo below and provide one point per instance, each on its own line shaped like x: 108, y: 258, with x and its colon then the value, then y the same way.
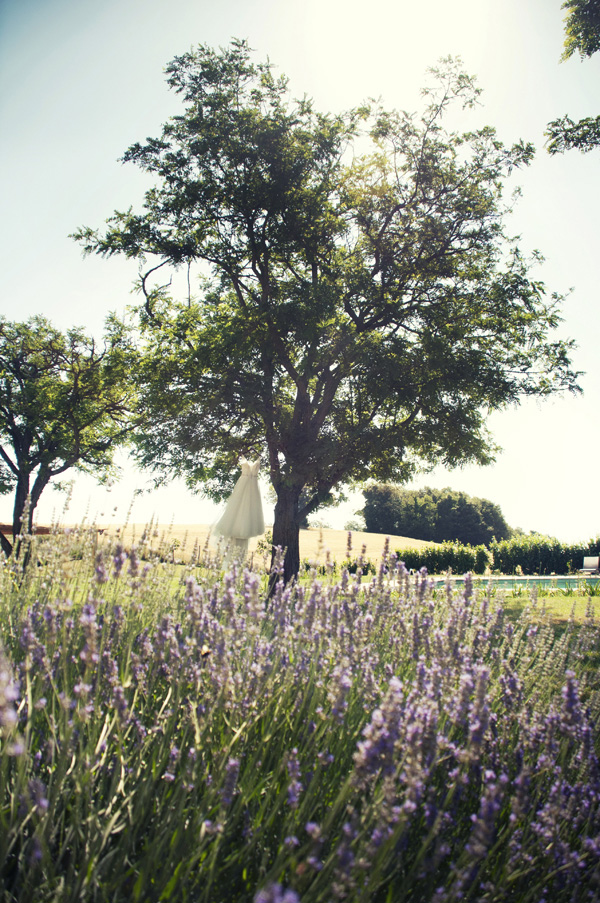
x: 179, y: 739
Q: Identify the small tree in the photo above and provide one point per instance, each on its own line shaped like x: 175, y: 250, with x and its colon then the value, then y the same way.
x: 64, y: 403
x: 365, y: 310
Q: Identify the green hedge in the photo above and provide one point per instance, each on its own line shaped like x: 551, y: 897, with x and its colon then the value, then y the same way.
x: 524, y: 554
x: 541, y: 555
x: 448, y: 556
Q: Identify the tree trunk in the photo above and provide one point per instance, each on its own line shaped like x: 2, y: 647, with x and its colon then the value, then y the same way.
x: 21, y: 496
x: 26, y: 501
x: 5, y: 545
x: 286, y: 532
x: 40, y: 483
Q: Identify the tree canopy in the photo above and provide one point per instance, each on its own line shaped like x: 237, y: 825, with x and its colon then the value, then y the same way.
x: 64, y: 402
x: 565, y: 134
x: 582, y: 35
x: 361, y: 309
x: 582, y: 28
x: 436, y: 515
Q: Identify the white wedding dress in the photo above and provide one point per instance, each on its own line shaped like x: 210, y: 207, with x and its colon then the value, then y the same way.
x: 243, y: 515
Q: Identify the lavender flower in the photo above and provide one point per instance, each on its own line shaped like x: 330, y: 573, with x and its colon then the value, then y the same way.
x: 479, y: 713
x: 134, y: 563
x: 119, y: 702
x: 345, y: 861
x: 8, y: 694
x: 275, y: 893
x: 231, y: 775
x: 119, y: 558
x: 37, y: 795
x: 101, y: 572
x: 294, y: 787
x: 89, y: 653
x: 376, y: 752
x: 313, y: 829
x: 339, y: 687
x: 252, y: 601
x: 571, y: 714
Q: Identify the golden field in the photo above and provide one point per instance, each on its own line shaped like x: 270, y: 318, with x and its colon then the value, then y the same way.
x: 314, y: 544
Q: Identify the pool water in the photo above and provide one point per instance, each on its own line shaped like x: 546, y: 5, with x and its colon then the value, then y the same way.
x: 575, y: 582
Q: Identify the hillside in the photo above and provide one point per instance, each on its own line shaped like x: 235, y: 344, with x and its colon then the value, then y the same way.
x: 314, y: 544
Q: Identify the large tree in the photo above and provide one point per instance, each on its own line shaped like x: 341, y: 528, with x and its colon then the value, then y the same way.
x: 582, y: 35
x: 64, y: 403
x: 362, y: 310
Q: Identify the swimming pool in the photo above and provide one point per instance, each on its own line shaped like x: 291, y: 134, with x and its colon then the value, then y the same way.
x: 550, y: 582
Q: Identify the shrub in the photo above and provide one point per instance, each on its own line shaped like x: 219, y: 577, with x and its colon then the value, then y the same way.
x: 448, y: 556
x: 523, y: 555
x: 167, y: 735
x: 536, y: 554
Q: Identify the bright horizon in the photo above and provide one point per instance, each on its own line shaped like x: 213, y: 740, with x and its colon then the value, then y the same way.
x: 80, y: 82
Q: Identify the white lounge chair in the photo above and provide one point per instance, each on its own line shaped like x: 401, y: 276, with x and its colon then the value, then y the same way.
x: 591, y: 564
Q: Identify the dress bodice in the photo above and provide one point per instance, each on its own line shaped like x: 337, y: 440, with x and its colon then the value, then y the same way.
x: 250, y: 468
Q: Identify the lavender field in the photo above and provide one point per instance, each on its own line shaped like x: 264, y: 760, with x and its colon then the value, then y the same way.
x: 170, y: 735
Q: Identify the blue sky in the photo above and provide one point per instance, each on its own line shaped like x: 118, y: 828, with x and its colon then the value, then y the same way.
x: 80, y: 81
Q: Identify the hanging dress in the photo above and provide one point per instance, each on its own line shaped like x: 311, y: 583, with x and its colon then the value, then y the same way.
x: 243, y: 515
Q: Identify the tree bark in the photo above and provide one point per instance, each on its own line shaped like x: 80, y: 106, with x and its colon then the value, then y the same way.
x: 21, y: 496
x: 40, y: 483
x: 286, y: 532
x: 26, y: 500
x: 5, y: 545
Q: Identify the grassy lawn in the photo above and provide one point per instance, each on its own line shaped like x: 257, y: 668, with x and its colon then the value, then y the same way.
x: 556, y: 608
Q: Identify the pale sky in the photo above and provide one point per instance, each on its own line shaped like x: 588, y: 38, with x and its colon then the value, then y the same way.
x: 81, y: 80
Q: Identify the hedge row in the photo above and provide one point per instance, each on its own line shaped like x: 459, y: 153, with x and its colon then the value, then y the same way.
x: 525, y: 554
x: 448, y: 556
x: 541, y: 555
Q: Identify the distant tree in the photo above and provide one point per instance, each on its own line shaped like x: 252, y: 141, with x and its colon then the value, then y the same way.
x: 365, y: 309
x: 582, y: 35
x: 435, y: 515
x: 356, y: 524
x: 64, y: 403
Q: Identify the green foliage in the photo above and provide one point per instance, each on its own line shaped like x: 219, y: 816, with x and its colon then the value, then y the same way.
x: 64, y: 403
x: 564, y: 134
x: 527, y: 555
x: 332, y: 569
x: 535, y: 554
x: 356, y: 524
x: 582, y: 35
x: 364, y: 309
x: 460, y: 559
x: 582, y: 28
x: 435, y: 515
